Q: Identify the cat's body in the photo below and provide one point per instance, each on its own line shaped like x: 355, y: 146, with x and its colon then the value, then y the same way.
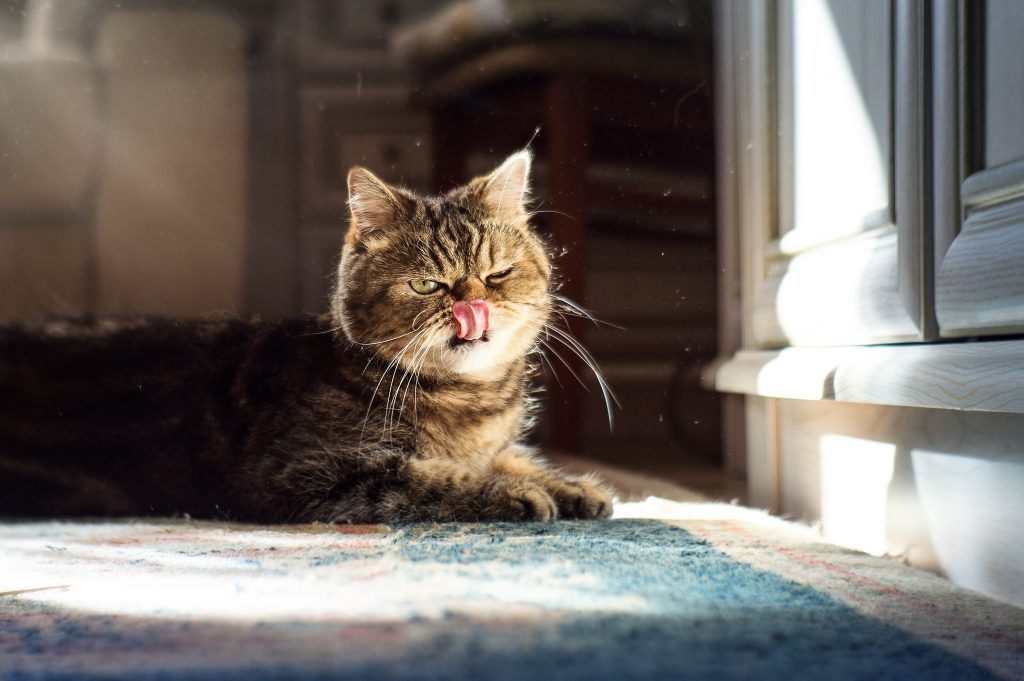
x: 398, y: 405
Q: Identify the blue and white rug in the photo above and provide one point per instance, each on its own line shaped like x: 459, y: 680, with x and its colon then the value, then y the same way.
x: 708, y: 595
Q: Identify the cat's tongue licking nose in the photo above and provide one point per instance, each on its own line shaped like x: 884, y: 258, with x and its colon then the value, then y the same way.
x: 472, y: 318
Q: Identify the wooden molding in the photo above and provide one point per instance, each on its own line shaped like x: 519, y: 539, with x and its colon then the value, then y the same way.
x: 843, y: 281
x: 980, y: 285
x: 913, y: 159
x: 948, y: 120
x: 982, y: 376
x: 979, y: 217
x: 995, y: 185
x: 840, y: 294
x: 755, y: 143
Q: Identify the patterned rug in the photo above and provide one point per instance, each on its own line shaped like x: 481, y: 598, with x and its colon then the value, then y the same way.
x: 702, y: 592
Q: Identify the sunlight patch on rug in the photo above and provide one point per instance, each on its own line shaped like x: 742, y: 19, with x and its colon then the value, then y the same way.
x: 364, y: 573
x: 710, y: 591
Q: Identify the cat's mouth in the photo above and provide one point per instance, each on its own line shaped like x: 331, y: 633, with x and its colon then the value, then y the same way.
x: 456, y: 342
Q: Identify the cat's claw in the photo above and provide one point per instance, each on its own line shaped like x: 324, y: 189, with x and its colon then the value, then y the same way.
x: 521, y: 501
x: 582, y: 500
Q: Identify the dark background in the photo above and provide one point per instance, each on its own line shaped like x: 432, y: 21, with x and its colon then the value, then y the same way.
x: 189, y: 159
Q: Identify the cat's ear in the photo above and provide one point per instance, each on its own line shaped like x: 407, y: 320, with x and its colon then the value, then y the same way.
x: 506, y: 190
x: 374, y: 205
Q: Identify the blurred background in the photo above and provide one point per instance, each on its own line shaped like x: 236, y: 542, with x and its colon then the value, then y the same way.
x: 188, y: 158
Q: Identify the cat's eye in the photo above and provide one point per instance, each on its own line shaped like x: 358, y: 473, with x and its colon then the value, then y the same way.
x: 424, y: 286
x: 498, y: 276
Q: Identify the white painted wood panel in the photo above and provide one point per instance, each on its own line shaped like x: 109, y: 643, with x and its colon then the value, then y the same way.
x: 835, y: 107
x: 843, y: 293
x: 833, y: 137
x: 980, y: 285
x: 933, y: 486
x: 981, y: 376
x: 984, y: 376
x: 762, y: 464
x: 800, y: 374
x: 1004, y: 82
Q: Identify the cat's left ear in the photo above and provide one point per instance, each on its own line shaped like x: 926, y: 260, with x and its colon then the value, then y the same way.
x: 374, y: 205
x: 506, y: 190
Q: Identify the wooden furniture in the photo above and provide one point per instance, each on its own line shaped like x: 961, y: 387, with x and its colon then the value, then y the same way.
x: 580, y: 101
x: 354, y: 106
x: 625, y: 149
x: 877, y: 250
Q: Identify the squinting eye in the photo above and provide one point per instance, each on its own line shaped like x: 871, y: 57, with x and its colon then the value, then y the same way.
x: 424, y: 286
x: 497, y: 276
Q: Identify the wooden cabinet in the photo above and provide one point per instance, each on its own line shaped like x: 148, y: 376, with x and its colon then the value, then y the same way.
x: 877, y: 239
x: 881, y: 165
x: 355, y: 109
x: 831, y: 147
x: 979, y: 126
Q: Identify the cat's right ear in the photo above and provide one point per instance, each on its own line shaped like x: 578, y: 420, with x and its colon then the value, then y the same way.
x: 373, y: 204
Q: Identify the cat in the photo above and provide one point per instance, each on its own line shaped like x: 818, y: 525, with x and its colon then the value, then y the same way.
x: 407, y: 401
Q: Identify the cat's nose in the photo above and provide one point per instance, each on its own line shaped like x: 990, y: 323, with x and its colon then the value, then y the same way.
x: 472, y: 318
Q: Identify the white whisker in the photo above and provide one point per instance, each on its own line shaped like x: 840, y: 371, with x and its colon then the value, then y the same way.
x: 566, y: 363
x: 319, y: 333
x: 417, y: 366
x: 393, y: 364
x: 422, y: 342
x: 580, y: 311
x: 575, y: 346
x: 564, y: 337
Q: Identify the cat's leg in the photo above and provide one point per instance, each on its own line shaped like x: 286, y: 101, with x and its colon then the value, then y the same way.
x: 575, y: 496
x: 443, y: 490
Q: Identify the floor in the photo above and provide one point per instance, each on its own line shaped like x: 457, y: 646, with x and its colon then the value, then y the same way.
x: 693, y: 482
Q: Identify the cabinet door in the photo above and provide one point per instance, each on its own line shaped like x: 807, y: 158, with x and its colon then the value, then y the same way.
x: 832, y: 158
x: 979, y: 180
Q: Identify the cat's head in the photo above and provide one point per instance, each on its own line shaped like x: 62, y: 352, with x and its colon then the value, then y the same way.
x: 452, y: 284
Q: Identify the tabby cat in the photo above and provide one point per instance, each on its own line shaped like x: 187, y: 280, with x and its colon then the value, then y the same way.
x: 407, y: 401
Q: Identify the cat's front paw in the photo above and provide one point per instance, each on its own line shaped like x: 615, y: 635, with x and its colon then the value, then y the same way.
x: 518, y: 499
x: 581, y: 499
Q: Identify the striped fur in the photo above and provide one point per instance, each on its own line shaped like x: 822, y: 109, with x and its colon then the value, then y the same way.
x: 373, y: 412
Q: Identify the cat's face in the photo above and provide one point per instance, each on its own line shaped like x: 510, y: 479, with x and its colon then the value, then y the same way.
x: 451, y: 284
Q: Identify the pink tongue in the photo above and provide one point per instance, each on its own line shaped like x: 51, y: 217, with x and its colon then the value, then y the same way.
x: 472, y: 318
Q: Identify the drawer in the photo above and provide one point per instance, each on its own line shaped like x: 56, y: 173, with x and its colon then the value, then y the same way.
x: 343, y: 129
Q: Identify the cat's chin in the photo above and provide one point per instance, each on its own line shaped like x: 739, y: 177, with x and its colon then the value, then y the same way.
x: 457, y: 343
x: 478, y: 357
x: 474, y: 357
